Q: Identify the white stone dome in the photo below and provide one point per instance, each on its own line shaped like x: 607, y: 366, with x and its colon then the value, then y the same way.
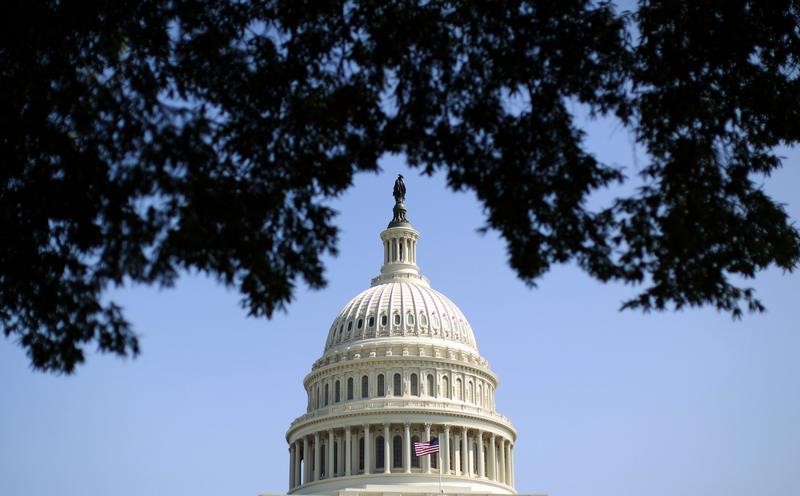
x: 400, y: 366
x: 408, y: 311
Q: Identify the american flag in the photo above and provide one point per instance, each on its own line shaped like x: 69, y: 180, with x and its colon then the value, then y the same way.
x: 427, y: 447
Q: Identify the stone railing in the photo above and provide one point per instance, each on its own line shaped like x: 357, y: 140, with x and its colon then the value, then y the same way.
x: 376, y: 405
x: 399, y: 276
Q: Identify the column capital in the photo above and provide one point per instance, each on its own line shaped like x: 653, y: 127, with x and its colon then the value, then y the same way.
x: 446, y: 427
x: 427, y: 425
x: 406, y: 424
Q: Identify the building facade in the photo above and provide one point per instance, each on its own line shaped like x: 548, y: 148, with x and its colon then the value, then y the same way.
x: 400, y: 365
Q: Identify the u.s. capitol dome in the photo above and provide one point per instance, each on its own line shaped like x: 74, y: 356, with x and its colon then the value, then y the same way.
x: 400, y: 366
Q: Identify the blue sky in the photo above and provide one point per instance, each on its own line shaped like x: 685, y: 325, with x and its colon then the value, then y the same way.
x: 605, y: 402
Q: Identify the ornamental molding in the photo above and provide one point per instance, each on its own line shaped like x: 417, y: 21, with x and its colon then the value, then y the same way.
x: 435, y: 415
x: 502, y: 433
x: 400, y: 348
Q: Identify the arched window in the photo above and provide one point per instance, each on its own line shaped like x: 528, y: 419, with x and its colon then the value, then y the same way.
x: 349, y: 388
x: 414, y: 385
x: 337, y: 392
x: 479, y: 395
x: 326, y: 395
x: 361, y: 454
x: 397, y: 319
x: 384, y: 320
x: 364, y: 386
x: 381, y: 390
x: 379, y: 453
x: 410, y: 318
x: 350, y: 325
x: 397, y: 452
x: 397, y: 388
x: 470, y: 396
x: 459, y: 391
x: 446, y: 387
x: 316, y: 401
x: 431, y: 390
x: 360, y: 323
x: 414, y: 457
x: 371, y: 322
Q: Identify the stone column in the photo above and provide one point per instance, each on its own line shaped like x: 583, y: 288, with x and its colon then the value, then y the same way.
x: 445, y: 448
x: 492, y: 458
x: 511, y: 463
x: 387, y: 450
x: 481, y: 469
x: 456, y: 452
x: 407, y: 448
x: 331, y: 465
x: 291, y: 466
x: 317, y: 455
x: 426, y: 460
x: 508, y: 463
x: 348, y: 451
x: 306, y: 461
x: 340, y: 465
x: 465, y: 468
x: 297, y: 476
x: 501, y: 465
x: 367, y: 460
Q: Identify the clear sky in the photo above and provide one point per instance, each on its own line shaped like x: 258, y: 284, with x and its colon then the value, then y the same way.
x: 606, y: 403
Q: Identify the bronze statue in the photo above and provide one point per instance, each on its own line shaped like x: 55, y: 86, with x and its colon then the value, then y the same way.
x: 399, y: 210
x: 399, y: 189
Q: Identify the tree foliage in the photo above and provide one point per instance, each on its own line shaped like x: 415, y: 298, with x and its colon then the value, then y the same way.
x: 140, y: 139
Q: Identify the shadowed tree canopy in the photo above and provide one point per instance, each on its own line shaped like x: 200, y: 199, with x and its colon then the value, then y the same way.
x: 140, y: 139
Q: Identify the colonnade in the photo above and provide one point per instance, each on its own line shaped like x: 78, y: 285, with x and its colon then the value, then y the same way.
x: 354, y: 450
x: 400, y: 249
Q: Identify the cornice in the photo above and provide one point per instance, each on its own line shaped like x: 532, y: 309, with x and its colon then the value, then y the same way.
x: 430, y: 409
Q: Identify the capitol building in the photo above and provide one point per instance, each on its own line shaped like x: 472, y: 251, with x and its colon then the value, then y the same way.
x: 400, y: 365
